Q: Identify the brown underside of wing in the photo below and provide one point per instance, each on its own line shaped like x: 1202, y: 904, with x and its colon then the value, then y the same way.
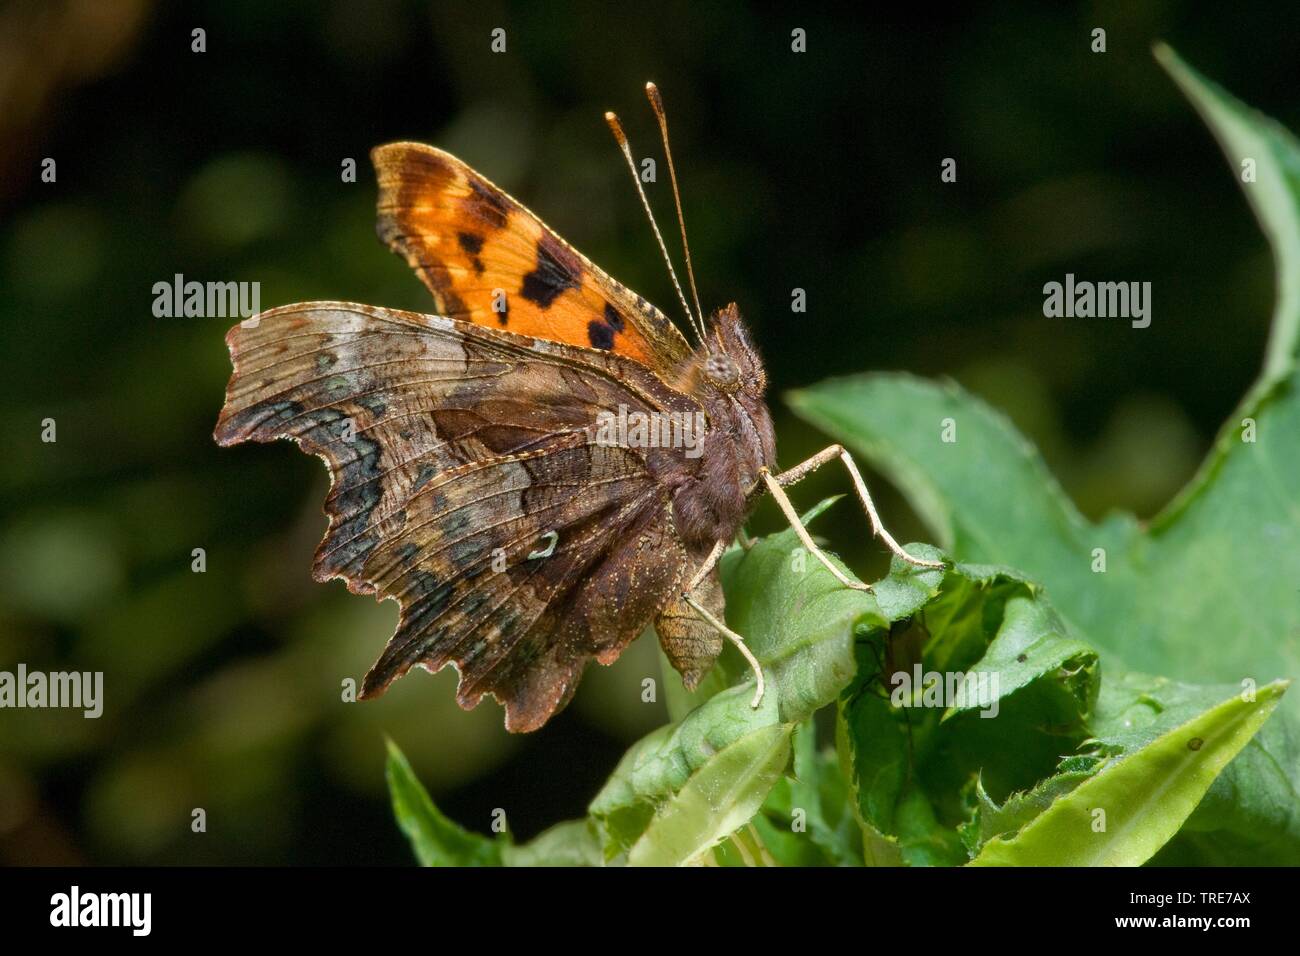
x: 521, y: 627
x: 449, y: 446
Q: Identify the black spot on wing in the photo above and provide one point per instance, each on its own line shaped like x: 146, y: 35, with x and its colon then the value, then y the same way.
x: 613, y: 319
x: 487, y: 204
x: 373, y: 404
x: 557, y: 269
x: 472, y: 246
x: 600, y: 335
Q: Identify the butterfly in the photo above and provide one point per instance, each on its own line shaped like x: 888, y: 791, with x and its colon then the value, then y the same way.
x: 483, y: 470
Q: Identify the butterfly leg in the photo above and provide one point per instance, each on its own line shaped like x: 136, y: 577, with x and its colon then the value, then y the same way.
x: 736, y: 639
x: 710, y: 618
x: 691, y: 630
x: 776, y: 483
x: 707, y: 565
x: 793, y: 517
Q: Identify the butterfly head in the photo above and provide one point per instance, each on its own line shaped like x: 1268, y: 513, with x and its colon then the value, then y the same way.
x: 727, y: 376
x: 727, y: 358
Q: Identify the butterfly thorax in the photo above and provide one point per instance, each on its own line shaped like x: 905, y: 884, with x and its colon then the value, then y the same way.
x: 726, y: 376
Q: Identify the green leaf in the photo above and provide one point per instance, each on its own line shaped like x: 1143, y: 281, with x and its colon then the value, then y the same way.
x: 436, y: 840
x: 1274, y: 196
x: 1132, y: 712
x: 800, y: 623
x: 572, y: 843
x: 991, y: 820
x: 878, y: 848
x: 820, y: 790
x: 748, y: 846
x: 1208, y: 591
x: 1029, y: 689
x: 1031, y: 645
x: 1145, y: 796
x: 806, y: 819
x: 719, y: 798
x: 1227, y: 565
x: 1248, y: 805
x: 686, y: 788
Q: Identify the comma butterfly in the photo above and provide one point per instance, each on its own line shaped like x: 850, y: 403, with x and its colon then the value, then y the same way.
x: 473, y: 478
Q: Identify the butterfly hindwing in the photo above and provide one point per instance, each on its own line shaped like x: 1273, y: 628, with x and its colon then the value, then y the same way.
x: 449, y: 445
x: 513, y: 568
x: 487, y: 259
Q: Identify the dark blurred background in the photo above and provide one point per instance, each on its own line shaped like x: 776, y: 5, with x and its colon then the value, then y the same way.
x: 817, y: 170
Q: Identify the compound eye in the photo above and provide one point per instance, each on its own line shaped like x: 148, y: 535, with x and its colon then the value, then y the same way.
x: 721, y: 370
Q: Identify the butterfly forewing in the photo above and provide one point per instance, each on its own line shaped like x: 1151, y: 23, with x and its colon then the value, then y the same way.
x: 487, y: 259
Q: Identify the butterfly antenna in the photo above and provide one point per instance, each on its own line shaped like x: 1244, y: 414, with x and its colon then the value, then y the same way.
x: 617, y: 129
x: 657, y: 104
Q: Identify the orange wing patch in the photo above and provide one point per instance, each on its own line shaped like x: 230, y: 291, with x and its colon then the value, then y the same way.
x: 487, y: 259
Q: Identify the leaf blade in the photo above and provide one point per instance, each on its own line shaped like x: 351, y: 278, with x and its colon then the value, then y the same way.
x: 435, y: 840
x: 715, y: 801
x: 1146, y: 795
